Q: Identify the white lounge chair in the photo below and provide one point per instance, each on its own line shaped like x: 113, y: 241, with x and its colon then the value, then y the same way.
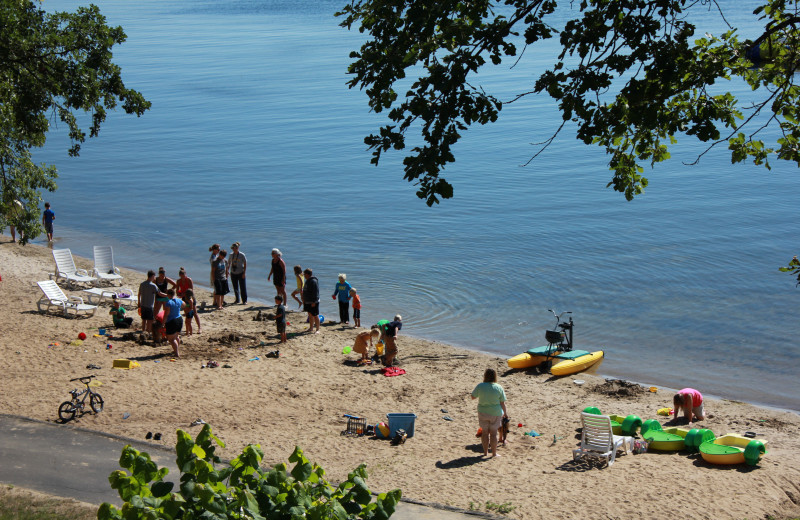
x: 104, y: 268
x: 97, y: 295
x: 55, y: 297
x: 65, y: 268
x: 598, y: 440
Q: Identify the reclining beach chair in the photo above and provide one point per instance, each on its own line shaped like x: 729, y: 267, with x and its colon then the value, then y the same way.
x: 65, y: 268
x: 124, y: 295
x: 104, y: 268
x: 55, y: 297
x: 598, y: 440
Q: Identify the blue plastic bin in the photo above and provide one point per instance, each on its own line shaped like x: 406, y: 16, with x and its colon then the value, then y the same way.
x: 401, y: 421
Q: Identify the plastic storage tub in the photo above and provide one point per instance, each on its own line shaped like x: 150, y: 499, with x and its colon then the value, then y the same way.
x: 401, y: 421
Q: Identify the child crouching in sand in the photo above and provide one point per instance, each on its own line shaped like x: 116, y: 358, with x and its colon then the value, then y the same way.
x: 691, y: 402
x: 118, y: 315
x: 190, y: 311
x: 360, y: 345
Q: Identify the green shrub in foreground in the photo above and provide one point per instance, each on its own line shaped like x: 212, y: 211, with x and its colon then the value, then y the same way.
x: 242, y: 490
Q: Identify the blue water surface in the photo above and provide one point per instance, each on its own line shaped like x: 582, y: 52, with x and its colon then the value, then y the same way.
x: 254, y: 137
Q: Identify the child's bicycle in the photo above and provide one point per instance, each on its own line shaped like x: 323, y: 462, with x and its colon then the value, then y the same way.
x: 68, y: 409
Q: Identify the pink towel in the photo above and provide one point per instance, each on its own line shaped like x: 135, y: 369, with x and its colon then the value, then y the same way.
x: 392, y: 371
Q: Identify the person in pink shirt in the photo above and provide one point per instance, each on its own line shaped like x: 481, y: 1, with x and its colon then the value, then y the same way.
x: 691, y: 402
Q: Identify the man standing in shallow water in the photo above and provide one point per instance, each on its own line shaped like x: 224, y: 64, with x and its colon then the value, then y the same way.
x: 47, y: 221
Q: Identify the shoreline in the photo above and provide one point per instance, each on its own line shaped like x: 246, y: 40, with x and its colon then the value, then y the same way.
x: 598, y: 371
x: 300, y: 398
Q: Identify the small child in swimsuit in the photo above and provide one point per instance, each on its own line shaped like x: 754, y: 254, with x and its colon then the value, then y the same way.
x: 298, y: 276
x: 502, y: 433
x: 190, y: 311
x: 361, y: 347
x: 356, y: 307
x: 280, y: 317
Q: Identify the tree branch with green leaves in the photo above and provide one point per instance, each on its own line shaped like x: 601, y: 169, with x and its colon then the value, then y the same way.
x: 632, y: 75
x: 53, y: 67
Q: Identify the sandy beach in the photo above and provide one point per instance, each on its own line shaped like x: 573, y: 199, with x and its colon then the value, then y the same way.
x: 300, y: 398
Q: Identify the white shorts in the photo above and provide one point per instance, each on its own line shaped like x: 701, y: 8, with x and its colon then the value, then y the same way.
x: 490, y: 423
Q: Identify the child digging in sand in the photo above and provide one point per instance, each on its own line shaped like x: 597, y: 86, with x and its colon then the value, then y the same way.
x: 360, y: 345
x: 117, y: 313
x: 691, y: 401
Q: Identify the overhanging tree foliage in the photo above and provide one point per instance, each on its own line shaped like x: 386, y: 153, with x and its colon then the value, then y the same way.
x: 53, y: 66
x: 209, y: 489
x: 632, y: 75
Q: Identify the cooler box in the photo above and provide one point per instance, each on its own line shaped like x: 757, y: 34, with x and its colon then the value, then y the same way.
x: 401, y: 421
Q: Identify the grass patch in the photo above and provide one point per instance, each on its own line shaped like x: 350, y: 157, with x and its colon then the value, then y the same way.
x: 493, y: 507
x: 503, y: 508
x: 23, y: 504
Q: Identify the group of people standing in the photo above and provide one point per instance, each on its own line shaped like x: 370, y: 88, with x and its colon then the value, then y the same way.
x: 159, y: 292
x: 234, y: 267
x: 161, y: 301
x: 223, y: 268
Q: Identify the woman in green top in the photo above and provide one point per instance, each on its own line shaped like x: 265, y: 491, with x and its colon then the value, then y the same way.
x: 491, y: 409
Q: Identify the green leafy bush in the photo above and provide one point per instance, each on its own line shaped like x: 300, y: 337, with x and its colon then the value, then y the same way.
x: 241, y: 490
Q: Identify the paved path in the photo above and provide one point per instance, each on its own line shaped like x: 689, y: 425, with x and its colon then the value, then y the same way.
x: 71, y: 462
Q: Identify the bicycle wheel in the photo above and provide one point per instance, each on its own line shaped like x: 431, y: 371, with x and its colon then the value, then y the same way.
x: 96, y: 402
x: 66, y: 412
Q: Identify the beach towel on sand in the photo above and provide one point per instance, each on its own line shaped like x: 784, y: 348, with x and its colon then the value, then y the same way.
x: 392, y: 371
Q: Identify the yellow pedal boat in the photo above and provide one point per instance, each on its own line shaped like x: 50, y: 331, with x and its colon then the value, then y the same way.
x: 733, y: 449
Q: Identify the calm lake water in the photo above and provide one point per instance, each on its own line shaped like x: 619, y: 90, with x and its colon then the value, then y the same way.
x: 254, y: 137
